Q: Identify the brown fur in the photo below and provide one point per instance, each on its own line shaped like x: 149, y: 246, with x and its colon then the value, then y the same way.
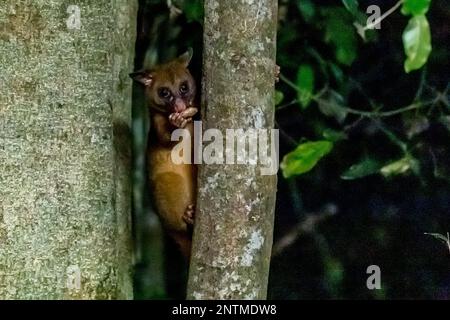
x: 173, y: 186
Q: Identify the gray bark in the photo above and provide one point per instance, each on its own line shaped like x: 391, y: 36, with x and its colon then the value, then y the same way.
x: 65, y: 114
x: 235, y: 205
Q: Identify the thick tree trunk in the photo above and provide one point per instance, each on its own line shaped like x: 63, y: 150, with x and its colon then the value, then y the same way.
x: 65, y: 113
x: 235, y: 206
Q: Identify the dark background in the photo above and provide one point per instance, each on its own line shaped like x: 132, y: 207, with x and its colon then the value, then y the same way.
x: 328, y: 230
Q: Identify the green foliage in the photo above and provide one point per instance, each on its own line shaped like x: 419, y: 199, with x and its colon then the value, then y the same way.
x: 351, y: 6
x: 416, y: 36
x: 364, y: 168
x: 193, y: 9
x: 415, y: 7
x: 417, y: 43
x: 316, y: 67
x: 340, y: 33
x: 305, y: 84
x: 369, y: 166
x: 334, y: 135
x: 336, y: 72
x: 334, y: 274
x: 307, y: 9
x: 304, y: 157
x: 279, y: 97
x: 415, y: 125
x: 331, y: 105
x: 402, y: 166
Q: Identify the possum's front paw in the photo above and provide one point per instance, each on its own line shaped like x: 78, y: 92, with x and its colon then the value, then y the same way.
x: 177, y: 120
x: 189, y: 112
x: 181, y: 119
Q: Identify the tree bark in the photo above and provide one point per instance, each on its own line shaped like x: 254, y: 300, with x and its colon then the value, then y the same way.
x: 234, y: 219
x: 65, y: 114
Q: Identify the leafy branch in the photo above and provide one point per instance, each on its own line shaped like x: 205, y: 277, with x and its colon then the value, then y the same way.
x: 370, y: 26
x: 306, y: 155
x: 416, y: 36
x: 369, y: 114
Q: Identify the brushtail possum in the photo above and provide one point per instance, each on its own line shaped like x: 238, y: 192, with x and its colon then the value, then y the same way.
x: 170, y: 92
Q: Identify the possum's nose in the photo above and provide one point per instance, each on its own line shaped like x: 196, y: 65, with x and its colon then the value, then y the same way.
x: 179, y: 105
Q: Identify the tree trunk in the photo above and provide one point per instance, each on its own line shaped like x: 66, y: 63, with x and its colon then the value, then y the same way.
x: 235, y: 205
x: 65, y: 114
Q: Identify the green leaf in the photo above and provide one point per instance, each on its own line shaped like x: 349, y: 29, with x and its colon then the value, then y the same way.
x: 279, y: 97
x: 415, y: 125
x: 307, y: 9
x: 399, y: 167
x: 334, y: 274
x: 305, y: 84
x: 304, y: 157
x: 337, y: 72
x: 340, y: 33
x: 415, y: 7
x: 351, y: 6
x: 333, y: 135
x: 193, y: 9
x: 362, y: 169
x: 330, y: 104
x: 417, y: 43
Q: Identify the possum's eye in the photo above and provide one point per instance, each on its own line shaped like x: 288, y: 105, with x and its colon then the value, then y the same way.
x: 184, y: 88
x: 164, y: 93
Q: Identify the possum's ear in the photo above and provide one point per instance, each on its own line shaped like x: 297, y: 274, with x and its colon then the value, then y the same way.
x: 186, y: 57
x: 143, y: 76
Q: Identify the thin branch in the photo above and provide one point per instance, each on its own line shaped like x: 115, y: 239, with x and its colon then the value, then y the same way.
x: 383, y: 16
x: 284, y: 106
x: 423, y: 76
x: 363, y: 93
x: 354, y: 124
x: 370, y: 114
x: 442, y: 238
x: 396, y: 140
x: 308, y: 225
x: 288, y: 82
x: 376, y: 114
x: 289, y: 139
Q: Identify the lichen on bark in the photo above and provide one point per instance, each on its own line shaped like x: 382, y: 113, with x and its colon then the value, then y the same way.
x: 235, y: 205
x: 64, y: 149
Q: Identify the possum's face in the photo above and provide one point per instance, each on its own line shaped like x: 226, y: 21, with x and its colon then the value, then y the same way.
x: 169, y: 87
